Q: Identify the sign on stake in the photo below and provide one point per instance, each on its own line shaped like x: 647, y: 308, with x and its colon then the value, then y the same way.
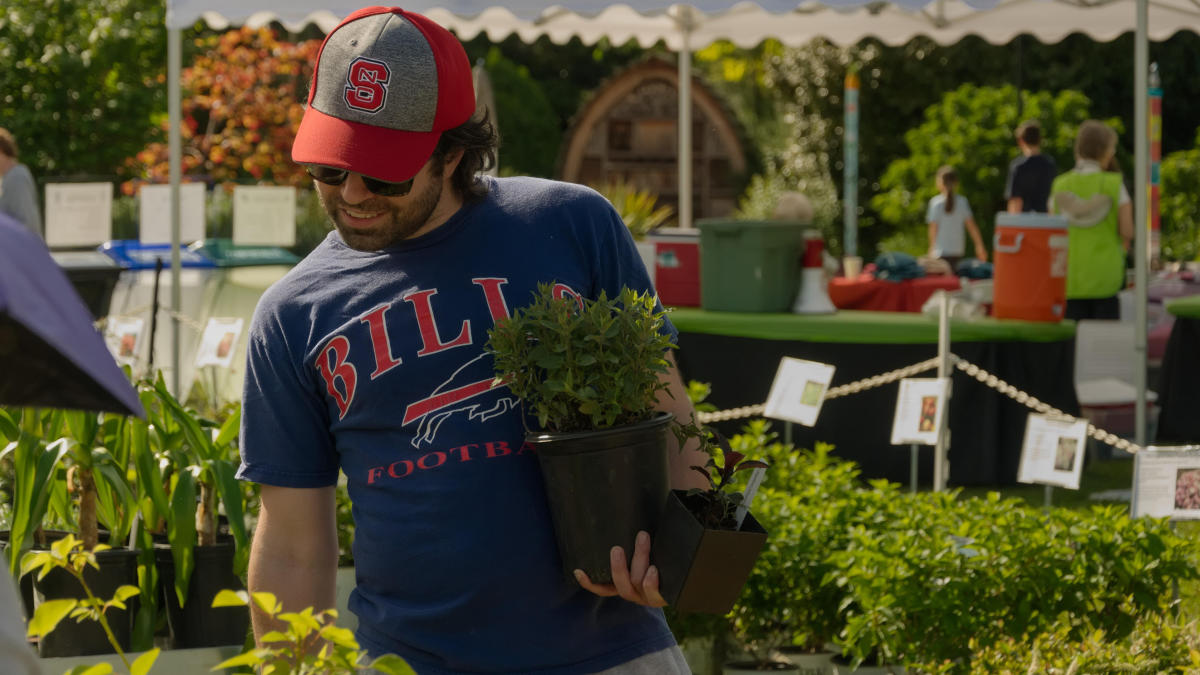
x: 798, y: 391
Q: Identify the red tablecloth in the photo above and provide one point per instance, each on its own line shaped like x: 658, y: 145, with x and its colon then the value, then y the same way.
x: 867, y: 292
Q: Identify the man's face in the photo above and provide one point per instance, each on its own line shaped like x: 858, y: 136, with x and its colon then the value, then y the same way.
x: 369, y: 222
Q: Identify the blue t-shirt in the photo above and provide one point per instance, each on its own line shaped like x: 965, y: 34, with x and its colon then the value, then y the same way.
x: 373, y: 362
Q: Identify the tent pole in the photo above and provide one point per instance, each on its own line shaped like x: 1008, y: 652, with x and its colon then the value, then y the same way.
x: 1141, y: 106
x: 686, y: 25
x: 174, y: 118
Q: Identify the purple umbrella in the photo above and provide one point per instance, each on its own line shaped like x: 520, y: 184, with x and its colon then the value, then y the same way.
x: 50, y: 353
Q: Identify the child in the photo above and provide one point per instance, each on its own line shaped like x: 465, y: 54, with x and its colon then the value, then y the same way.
x: 948, y: 215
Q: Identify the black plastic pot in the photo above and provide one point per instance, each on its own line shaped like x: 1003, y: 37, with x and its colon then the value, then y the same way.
x: 197, y: 623
x: 118, y: 567
x: 703, y: 570
x: 603, y: 487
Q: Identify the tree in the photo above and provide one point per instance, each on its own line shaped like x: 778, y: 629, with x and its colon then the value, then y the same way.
x: 82, y: 82
x: 1181, y: 205
x: 971, y: 130
x: 243, y: 101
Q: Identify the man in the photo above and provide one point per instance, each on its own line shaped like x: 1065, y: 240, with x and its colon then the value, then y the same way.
x: 382, y: 328
x: 18, y: 193
x: 1029, y: 175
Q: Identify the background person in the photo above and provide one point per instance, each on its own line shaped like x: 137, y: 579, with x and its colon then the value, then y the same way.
x: 364, y: 358
x: 1100, y: 217
x: 1030, y: 174
x: 949, y: 215
x: 18, y: 192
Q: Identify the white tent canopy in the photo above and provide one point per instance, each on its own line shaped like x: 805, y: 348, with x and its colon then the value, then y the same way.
x: 700, y: 22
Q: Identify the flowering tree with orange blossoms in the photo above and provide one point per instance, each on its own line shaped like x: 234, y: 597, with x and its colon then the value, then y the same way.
x: 243, y: 99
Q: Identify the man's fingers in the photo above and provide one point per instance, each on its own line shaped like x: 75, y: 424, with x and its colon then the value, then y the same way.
x: 606, y: 590
x: 641, y: 558
x: 620, y: 574
x: 650, y: 589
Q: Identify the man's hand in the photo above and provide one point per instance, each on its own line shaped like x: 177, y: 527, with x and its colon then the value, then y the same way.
x: 637, y: 582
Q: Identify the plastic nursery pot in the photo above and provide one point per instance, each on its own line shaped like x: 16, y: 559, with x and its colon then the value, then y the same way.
x: 118, y: 567
x: 197, y: 623
x: 809, y: 663
x: 603, y: 487
x: 699, y: 569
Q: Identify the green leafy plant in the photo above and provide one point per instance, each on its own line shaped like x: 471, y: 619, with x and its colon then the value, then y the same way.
x: 34, y: 462
x: 579, y: 364
x: 310, y: 643
x: 187, y: 473
x: 638, y: 208
x: 69, y: 554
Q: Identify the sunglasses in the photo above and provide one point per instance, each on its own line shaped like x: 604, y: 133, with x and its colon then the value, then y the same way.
x: 331, y: 176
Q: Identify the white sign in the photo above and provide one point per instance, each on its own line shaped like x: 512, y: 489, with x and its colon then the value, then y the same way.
x: 218, y: 343
x: 78, y: 214
x: 919, y: 410
x: 1053, y: 451
x: 264, y: 215
x: 798, y: 391
x: 124, y: 339
x: 1167, y: 483
x: 154, y: 210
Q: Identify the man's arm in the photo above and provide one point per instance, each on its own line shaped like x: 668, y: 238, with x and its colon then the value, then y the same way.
x: 294, y: 552
x: 678, y: 404
x: 1125, y: 223
x: 1015, y: 204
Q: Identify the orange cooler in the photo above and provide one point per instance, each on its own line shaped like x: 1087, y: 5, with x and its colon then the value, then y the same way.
x: 1030, y: 271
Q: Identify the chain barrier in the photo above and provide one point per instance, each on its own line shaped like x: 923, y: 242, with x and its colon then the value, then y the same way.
x: 136, y: 313
x: 988, y: 379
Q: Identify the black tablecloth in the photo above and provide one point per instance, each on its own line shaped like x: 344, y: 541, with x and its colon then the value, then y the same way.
x: 1179, y: 385
x: 987, y: 427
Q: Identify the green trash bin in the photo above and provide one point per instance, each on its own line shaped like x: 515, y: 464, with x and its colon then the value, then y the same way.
x: 242, y: 274
x: 749, y: 265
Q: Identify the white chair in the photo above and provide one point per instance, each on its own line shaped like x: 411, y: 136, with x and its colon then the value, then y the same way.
x: 1105, y: 375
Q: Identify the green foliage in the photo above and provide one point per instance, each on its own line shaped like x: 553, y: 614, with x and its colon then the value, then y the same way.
x: 82, y: 81
x: 1156, y: 645
x: 311, y: 643
x: 971, y: 130
x: 806, y: 174
x: 69, y: 555
x: 638, y: 208
x: 583, y: 364
x: 529, y: 133
x: 1180, y: 205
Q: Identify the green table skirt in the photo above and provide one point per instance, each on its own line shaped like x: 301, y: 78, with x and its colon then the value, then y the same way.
x: 1187, y: 307
x: 861, y: 327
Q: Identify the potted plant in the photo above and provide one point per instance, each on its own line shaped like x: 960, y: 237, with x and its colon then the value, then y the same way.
x: 708, y: 540
x: 641, y: 213
x: 186, y: 469
x: 587, y: 373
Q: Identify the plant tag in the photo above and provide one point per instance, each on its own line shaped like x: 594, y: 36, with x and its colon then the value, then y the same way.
x: 798, y: 391
x: 124, y: 339
x: 219, y: 342
x: 920, y: 407
x: 78, y: 214
x: 756, y: 479
x: 1166, y: 482
x: 1052, y: 453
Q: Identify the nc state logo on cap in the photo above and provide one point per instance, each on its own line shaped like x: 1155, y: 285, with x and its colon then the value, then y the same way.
x: 366, y: 84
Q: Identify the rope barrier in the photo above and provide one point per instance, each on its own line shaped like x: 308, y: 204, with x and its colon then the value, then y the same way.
x: 1024, y: 398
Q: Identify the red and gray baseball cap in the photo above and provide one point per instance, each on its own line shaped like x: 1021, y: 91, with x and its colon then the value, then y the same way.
x: 387, y: 84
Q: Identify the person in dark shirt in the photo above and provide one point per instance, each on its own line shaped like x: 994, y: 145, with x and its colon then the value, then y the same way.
x: 1030, y: 175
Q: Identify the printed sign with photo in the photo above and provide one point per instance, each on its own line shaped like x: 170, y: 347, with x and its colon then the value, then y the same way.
x: 1167, y: 482
x: 1053, y: 451
x: 798, y: 391
x: 218, y: 343
x: 124, y: 339
x: 920, y: 405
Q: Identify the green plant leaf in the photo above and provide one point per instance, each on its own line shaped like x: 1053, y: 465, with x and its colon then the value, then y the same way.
x: 182, y: 531
x: 392, y: 665
x: 48, y: 614
x: 95, y: 669
x: 229, y: 598
x: 230, y: 490
x: 144, y: 663
x: 250, y: 658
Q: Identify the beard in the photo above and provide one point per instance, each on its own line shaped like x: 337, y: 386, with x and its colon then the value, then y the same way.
x: 405, y: 220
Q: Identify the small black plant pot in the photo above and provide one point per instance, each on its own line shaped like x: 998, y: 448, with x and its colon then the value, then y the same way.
x: 118, y: 567
x: 699, y: 569
x: 197, y: 623
x: 603, y: 487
